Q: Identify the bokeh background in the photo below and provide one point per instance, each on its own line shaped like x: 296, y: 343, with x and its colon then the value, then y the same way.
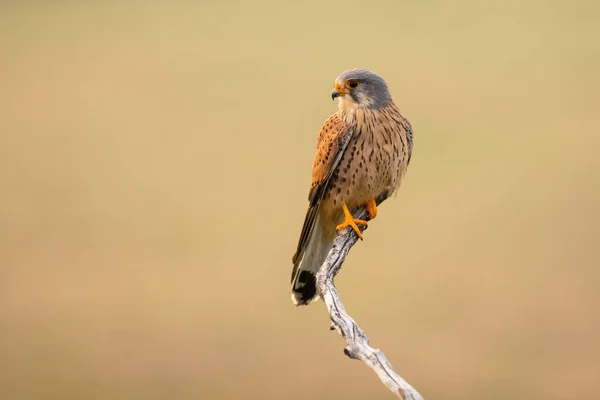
x: 154, y: 167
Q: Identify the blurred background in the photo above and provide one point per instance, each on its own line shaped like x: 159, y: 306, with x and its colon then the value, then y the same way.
x: 155, y: 161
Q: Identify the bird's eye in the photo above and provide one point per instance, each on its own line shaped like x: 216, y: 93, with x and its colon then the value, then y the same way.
x: 352, y: 84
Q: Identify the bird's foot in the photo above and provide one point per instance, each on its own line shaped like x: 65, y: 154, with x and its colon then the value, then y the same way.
x: 349, y: 220
x: 371, y: 208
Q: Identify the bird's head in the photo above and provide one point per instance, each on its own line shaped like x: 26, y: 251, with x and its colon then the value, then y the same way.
x: 360, y: 88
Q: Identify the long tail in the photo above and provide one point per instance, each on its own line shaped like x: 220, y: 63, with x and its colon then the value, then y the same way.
x: 304, y: 282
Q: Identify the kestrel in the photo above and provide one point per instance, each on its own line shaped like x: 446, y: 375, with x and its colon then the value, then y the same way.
x: 363, y: 151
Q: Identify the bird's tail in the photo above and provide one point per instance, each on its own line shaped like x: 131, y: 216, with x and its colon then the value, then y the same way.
x: 304, y: 274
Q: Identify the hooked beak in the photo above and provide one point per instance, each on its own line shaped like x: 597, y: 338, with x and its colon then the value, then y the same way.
x: 335, y: 94
x: 338, y: 91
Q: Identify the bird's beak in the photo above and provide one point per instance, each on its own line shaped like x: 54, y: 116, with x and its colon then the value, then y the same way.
x: 338, y: 91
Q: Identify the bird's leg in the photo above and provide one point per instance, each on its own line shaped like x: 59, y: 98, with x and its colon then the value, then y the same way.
x: 371, y: 208
x: 350, y: 221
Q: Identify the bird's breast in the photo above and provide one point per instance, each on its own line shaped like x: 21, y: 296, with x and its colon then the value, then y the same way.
x: 375, y: 159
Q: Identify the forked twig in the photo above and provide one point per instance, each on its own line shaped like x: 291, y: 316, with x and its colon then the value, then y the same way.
x: 357, y: 342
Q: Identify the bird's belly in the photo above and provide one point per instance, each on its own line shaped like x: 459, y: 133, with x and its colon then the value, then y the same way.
x: 365, y: 171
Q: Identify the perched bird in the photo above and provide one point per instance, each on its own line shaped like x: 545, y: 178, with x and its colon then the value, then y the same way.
x: 363, y: 151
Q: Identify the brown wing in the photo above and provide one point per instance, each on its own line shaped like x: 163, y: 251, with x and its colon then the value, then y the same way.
x: 333, y: 140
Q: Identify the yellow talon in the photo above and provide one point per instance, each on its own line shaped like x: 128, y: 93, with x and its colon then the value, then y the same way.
x: 350, y: 221
x: 372, y: 208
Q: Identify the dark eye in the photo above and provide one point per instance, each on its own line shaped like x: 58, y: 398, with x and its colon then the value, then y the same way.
x: 352, y: 84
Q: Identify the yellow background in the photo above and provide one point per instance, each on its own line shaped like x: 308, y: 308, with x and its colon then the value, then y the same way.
x: 154, y: 168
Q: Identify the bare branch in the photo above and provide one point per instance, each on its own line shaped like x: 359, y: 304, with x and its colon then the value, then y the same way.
x: 357, y: 342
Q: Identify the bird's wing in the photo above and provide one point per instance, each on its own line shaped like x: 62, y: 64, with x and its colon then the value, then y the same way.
x: 333, y: 140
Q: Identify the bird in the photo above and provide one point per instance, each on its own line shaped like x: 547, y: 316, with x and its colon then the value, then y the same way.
x: 362, y: 154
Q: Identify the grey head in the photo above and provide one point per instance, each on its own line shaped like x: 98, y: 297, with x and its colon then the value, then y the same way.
x: 360, y: 88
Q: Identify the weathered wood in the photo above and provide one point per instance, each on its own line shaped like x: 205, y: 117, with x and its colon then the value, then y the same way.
x: 357, y: 342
